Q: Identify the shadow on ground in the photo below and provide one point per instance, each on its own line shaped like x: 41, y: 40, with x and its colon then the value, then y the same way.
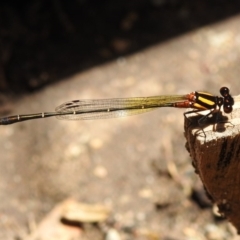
x: 45, y: 41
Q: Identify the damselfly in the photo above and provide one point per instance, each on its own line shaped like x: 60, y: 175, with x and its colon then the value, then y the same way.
x: 120, y: 107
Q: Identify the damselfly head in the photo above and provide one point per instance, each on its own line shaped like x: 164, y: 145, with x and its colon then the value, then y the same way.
x: 228, y: 101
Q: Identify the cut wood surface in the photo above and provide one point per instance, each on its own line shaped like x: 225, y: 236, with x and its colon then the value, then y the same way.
x: 215, y: 151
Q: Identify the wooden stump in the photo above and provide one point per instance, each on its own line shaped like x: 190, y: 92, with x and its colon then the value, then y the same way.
x: 215, y: 151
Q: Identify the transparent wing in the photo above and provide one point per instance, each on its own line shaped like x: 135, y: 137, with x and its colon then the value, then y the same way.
x: 116, y: 107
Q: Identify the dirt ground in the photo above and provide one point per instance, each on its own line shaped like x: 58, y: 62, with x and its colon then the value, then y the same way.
x: 137, y: 166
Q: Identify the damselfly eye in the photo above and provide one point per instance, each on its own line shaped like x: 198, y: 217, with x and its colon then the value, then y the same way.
x: 224, y: 91
x: 227, y: 108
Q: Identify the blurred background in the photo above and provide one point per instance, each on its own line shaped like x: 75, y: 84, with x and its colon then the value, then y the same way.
x: 56, y: 51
